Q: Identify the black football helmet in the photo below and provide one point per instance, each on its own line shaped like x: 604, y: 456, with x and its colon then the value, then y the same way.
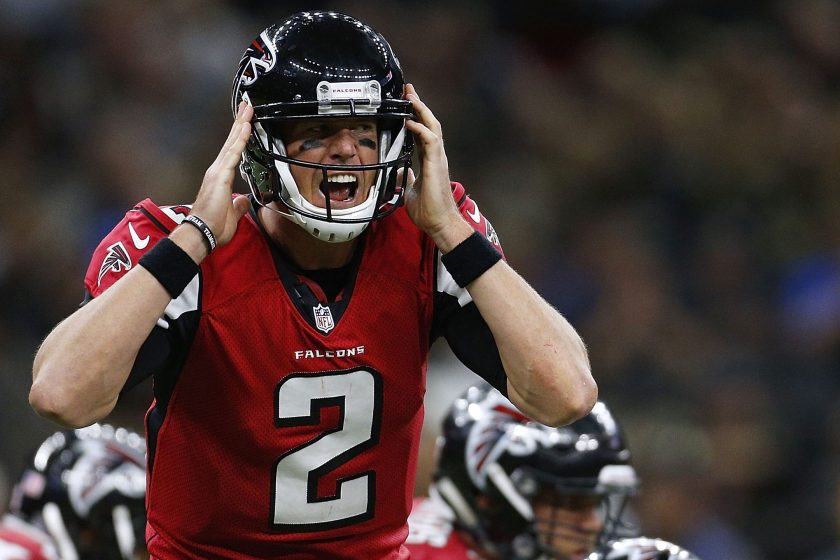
x: 493, y: 464
x: 323, y: 65
x: 642, y: 548
x: 86, y: 488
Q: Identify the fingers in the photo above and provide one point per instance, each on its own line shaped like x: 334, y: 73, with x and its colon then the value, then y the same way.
x: 425, y: 127
x: 423, y: 113
x: 241, y: 205
x: 411, y: 176
x: 222, y: 171
x: 238, y: 136
x: 233, y: 153
x: 213, y: 202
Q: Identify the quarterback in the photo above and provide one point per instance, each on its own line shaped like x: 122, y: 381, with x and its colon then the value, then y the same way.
x: 287, y: 331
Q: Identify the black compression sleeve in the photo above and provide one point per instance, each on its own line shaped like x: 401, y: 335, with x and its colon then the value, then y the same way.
x: 473, y: 344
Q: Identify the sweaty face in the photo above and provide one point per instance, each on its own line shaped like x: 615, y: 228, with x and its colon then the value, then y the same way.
x: 569, y: 525
x: 333, y: 141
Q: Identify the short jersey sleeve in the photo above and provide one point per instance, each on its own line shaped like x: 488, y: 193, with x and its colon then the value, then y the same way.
x: 142, y: 227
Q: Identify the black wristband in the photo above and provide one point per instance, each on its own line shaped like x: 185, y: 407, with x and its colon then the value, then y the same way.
x: 170, y: 265
x: 197, y: 222
x: 470, y: 259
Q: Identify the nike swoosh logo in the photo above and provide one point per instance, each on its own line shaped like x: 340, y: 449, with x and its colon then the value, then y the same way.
x: 476, y: 217
x: 139, y: 243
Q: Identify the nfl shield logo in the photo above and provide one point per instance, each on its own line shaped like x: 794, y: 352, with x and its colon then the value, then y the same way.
x: 323, y: 318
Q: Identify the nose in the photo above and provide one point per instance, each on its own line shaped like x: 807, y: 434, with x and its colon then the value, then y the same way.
x: 343, y: 146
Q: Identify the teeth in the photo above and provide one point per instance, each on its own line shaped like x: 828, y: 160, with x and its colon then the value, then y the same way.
x: 341, y: 179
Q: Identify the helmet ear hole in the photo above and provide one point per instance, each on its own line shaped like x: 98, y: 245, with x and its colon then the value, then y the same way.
x: 262, y: 177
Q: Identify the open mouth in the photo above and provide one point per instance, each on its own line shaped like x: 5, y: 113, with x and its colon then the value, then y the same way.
x: 340, y: 187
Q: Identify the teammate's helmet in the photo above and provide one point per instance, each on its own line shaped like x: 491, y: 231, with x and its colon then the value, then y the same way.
x: 493, y: 464
x: 87, y: 489
x: 323, y: 65
x: 642, y: 548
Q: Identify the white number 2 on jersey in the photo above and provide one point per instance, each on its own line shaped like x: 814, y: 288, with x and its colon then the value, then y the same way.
x: 296, y: 506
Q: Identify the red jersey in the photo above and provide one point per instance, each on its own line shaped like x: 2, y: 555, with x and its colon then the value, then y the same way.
x: 431, y: 535
x: 21, y: 541
x: 284, y: 424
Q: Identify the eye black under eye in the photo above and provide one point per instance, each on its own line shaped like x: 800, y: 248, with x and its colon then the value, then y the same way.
x: 311, y: 144
x: 368, y: 143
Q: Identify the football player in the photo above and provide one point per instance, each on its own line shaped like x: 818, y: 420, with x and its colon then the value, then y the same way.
x: 507, y: 487
x: 288, y: 331
x: 84, y: 492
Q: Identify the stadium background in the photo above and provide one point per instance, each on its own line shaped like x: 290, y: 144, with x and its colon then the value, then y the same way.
x: 665, y: 172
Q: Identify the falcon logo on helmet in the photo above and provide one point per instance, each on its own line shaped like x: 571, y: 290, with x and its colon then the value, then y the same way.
x: 483, y: 443
x: 257, y: 60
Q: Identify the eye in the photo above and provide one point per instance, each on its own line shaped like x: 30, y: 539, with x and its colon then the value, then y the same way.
x: 366, y: 135
x: 311, y: 143
x: 365, y: 128
x: 312, y: 136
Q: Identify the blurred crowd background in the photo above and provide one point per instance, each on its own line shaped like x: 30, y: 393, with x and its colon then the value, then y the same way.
x: 665, y: 172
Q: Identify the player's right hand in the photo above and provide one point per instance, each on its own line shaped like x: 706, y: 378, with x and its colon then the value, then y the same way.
x: 214, y: 204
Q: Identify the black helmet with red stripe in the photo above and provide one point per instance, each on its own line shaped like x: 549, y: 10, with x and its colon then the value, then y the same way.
x: 86, y: 488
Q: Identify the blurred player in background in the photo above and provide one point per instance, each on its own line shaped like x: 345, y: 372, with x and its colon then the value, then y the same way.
x: 80, y: 498
x: 506, y: 487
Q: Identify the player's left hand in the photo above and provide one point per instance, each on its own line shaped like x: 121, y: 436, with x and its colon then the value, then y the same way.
x: 428, y: 198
